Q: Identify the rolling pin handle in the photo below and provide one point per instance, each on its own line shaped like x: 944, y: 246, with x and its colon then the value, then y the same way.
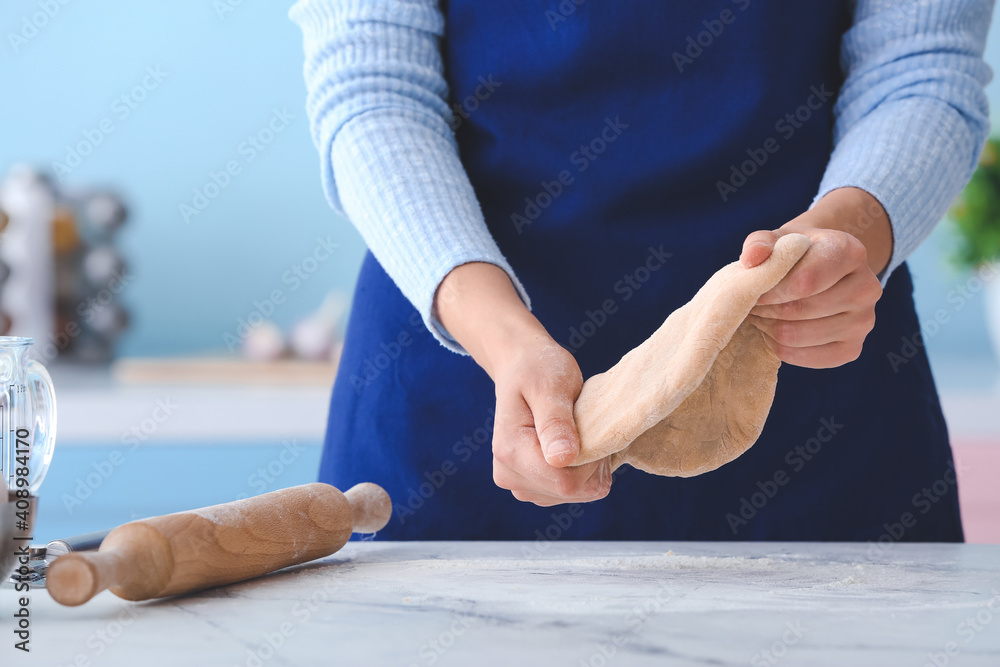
x: 76, y: 578
x: 371, y: 507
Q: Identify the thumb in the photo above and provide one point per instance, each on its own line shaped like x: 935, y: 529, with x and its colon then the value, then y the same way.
x: 757, y: 248
x: 556, y: 429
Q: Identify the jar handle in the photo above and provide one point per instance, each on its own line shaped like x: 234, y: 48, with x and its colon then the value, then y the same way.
x: 43, y: 403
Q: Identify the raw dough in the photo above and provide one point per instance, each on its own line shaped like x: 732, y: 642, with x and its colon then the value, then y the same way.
x: 696, y: 393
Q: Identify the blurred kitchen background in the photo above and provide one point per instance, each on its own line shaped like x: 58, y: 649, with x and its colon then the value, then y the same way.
x: 193, y: 247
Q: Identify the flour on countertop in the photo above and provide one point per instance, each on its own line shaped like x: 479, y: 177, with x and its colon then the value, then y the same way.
x: 668, y: 561
x: 687, y: 583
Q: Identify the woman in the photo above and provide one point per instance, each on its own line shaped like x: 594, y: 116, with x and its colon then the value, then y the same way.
x: 541, y: 184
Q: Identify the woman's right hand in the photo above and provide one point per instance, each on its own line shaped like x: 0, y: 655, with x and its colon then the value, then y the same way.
x: 537, y: 383
x: 535, y: 436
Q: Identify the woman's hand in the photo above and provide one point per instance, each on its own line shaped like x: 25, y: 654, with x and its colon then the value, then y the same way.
x: 537, y: 383
x: 535, y: 436
x: 820, y: 313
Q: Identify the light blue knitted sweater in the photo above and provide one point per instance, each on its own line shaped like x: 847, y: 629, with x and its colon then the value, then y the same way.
x: 911, y: 120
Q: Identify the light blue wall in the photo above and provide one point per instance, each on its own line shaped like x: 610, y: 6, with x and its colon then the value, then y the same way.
x: 225, y: 75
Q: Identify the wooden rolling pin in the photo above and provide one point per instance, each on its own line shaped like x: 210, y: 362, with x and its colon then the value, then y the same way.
x: 219, y: 545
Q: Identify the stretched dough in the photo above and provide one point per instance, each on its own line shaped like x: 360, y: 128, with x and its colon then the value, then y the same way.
x: 696, y: 393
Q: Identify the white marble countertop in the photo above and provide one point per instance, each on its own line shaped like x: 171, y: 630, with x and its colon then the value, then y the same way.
x: 591, y: 604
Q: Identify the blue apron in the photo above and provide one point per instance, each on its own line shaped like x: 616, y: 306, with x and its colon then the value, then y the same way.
x: 621, y: 153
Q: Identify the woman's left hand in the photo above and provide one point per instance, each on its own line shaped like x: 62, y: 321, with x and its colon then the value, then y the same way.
x: 820, y: 313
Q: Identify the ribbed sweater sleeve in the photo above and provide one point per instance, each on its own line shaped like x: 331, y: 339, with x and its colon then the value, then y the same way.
x: 377, y: 103
x: 912, y: 115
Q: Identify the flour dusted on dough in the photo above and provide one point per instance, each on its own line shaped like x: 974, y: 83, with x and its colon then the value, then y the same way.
x: 696, y: 393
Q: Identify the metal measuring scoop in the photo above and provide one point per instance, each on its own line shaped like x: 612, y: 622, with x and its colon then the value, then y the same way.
x: 40, y: 557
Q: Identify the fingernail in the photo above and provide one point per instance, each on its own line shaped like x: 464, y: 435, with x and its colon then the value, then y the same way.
x: 558, y: 448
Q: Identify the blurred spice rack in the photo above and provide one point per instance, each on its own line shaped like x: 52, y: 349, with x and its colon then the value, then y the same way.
x: 218, y: 371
